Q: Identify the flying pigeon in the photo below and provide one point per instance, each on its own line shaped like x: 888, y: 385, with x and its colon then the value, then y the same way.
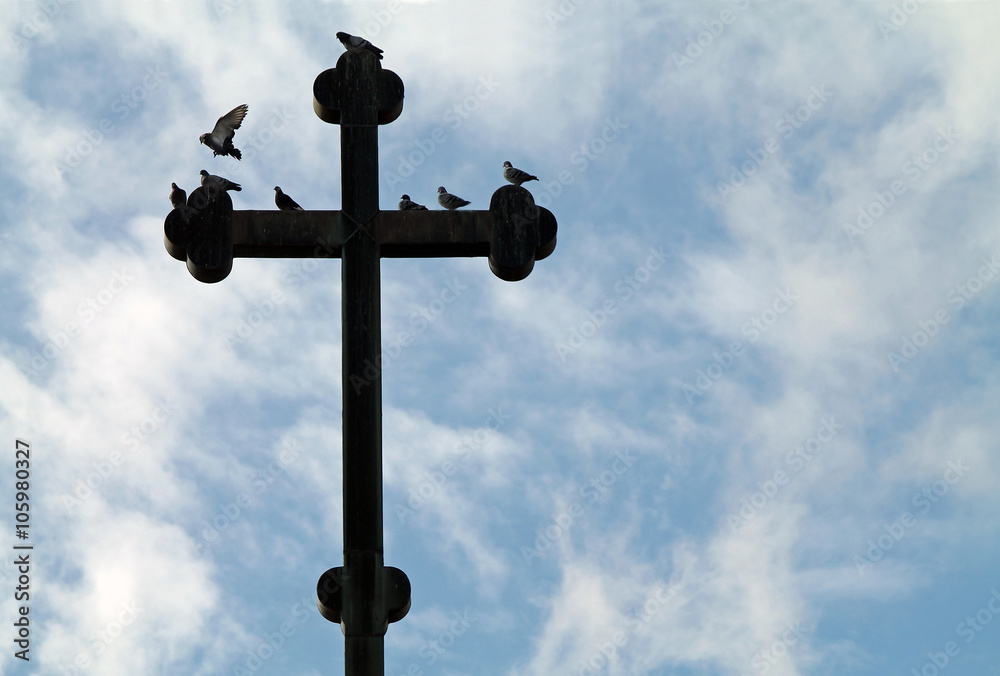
x: 405, y: 204
x: 284, y: 202
x: 177, y: 196
x: 358, y: 45
x: 211, y: 181
x: 449, y: 201
x: 221, y: 138
x: 516, y: 176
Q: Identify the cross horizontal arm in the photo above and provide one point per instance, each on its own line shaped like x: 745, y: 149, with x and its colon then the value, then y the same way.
x: 401, y: 234
x: 287, y: 234
x: 434, y: 234
x: 514, y: 233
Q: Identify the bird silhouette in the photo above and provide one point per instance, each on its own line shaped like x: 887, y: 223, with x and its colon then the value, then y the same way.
x: 449, y: 201
x: 284, y: 202
x: 220, y: 140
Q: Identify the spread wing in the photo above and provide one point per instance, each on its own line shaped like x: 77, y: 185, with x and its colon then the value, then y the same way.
x: 229, y: 123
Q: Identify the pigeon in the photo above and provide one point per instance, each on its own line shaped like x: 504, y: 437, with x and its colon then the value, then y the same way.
x: 284, y: 202
x: 405, y: 204
x: 358, y: 45
x: 449, y: 201
x: 177, y: 196
x: 221, y: 138
x: 516, y: 176
x: 211, y: 181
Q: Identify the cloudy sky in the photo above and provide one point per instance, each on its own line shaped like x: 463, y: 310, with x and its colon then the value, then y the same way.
x: 741, y: 422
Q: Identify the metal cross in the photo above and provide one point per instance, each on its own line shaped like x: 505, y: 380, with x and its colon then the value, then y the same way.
x: 363, y: 595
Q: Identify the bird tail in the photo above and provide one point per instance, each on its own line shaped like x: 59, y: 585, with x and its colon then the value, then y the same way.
x: 235, y: 152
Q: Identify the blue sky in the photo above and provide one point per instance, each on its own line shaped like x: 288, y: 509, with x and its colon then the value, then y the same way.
x: 741, y: 422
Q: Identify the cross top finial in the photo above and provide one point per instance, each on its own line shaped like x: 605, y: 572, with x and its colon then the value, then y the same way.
x: 336, y: 89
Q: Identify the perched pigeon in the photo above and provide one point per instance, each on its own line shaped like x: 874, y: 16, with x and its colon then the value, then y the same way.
x: 405, y: 204
x: 449, y: 201
x: 284, y: 202
x: 516, y: 176
x: 221, y: 138
x: 358, y: 45
x: 211, y: 181
x: 177, y: 196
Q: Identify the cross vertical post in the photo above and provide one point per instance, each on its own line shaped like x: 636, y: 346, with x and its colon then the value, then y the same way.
x: 358, y: 95
x: 363, y: 612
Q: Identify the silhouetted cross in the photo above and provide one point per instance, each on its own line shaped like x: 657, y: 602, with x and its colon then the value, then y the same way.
x: 363, y: 595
